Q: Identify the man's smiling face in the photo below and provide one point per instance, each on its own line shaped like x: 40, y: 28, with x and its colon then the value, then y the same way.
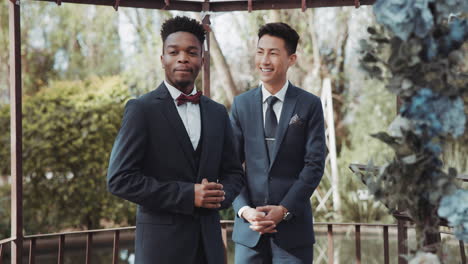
x: 272, y: 60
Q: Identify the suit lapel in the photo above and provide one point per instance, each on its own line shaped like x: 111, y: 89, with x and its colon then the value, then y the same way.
x: 257, y: 119
x: 289, y: 105
x: 173, y: 118
x: 207, y: 133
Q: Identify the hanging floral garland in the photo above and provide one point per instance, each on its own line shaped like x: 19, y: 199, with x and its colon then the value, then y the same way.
x: 419, y: 50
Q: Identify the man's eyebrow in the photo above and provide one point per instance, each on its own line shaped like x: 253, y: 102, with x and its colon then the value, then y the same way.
x: 274, y: 49
x: 177, y: 46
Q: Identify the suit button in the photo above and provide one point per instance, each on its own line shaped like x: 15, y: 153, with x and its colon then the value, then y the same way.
x: 270, y: 179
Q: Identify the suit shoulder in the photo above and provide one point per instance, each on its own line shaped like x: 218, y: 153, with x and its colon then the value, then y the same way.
x: 307, y: 95
x: 309, y: 100
x: 138, y: 104
x: 216, y: 105
x: 144, y: 98
x: 245, y: 95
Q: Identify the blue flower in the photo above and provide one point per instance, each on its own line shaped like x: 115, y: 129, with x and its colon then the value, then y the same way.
x: 446, y: 7
x: 454, y: 208
x: 405, y: 17
x: 458, y: 33
x: 434, y: 115
x: 433, y: 147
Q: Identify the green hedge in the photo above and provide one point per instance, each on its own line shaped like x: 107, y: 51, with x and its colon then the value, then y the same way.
x: 68, y: 132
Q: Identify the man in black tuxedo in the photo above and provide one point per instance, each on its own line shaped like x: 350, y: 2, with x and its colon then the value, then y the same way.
x: 279, y: 134
x: 173, y: 158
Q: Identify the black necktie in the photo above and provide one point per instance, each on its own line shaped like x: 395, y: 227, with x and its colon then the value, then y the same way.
x: 270, y: 126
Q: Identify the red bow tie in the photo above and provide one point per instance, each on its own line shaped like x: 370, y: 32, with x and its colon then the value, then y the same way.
x: 183, y: 98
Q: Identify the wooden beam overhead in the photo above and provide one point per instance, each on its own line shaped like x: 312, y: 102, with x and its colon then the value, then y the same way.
x: 223, y: 6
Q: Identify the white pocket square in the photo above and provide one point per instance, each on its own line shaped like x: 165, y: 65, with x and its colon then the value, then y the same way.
x: 295, y: 120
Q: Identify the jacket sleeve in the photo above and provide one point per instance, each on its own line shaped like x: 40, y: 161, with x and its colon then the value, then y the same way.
x: 232, y: 174
x: 242, y: 199
x: 314, y: 161
x: 125, y: 177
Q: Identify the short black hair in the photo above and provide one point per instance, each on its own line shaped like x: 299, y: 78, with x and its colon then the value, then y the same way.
x: 283, y: 31
x: 183, y: 24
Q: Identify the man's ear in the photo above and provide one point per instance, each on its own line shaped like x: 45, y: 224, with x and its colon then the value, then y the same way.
x: 292, y: 59
x: 162, y: 60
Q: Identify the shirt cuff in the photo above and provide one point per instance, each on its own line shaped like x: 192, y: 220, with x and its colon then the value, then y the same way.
x: 239, y: 213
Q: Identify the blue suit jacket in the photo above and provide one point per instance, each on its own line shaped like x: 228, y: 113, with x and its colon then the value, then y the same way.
x: 296, y: 169
x: 152, y: 165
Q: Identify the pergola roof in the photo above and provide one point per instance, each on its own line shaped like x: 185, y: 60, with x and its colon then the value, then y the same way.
x: 219, y: 5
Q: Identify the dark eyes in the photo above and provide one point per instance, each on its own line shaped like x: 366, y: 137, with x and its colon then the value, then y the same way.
x: 191, y: 53
x: 261, y: 53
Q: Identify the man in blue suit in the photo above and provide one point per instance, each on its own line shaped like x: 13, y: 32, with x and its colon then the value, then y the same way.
x: 279, y: 134
x: 173, y: 158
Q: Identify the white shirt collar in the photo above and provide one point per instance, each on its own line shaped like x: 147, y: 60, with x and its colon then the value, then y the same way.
x: 280, y: 94
x: 176, y: 92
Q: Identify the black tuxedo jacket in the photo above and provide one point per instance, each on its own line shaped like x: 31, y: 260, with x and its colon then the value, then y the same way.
x: 152, y: 164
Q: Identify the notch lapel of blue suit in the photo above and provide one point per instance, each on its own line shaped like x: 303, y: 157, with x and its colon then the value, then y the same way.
x: 257, y: 119
x: 173, y: 118
x: 289, y: 105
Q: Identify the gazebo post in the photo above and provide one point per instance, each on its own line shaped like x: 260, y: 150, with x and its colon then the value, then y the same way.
x: 206, y: 54
x: 16, y: 133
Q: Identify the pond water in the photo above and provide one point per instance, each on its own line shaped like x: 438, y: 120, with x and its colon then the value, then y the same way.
x: 343, y: 239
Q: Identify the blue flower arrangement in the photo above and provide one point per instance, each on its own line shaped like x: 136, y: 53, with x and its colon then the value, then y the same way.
x: 416, y: 49
x: 454, y: 208
x: 405, y: 17
x: 435, y: 114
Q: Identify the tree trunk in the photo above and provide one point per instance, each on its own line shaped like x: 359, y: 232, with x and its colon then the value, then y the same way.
x: 315, y: 45
x: 223, y: 69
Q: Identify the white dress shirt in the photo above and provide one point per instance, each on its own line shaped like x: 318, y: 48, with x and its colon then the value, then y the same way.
x: 189, y: 113
x: 277, y: 107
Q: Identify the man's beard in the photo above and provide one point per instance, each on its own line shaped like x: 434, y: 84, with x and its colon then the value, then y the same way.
x: 182, y: 84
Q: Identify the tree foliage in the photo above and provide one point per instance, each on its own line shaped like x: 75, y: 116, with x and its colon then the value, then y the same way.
x: 5, y: 230
x: 69, y: 42
x: 142, y: 68
x: 374, y: 99
x: 3, y: 51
